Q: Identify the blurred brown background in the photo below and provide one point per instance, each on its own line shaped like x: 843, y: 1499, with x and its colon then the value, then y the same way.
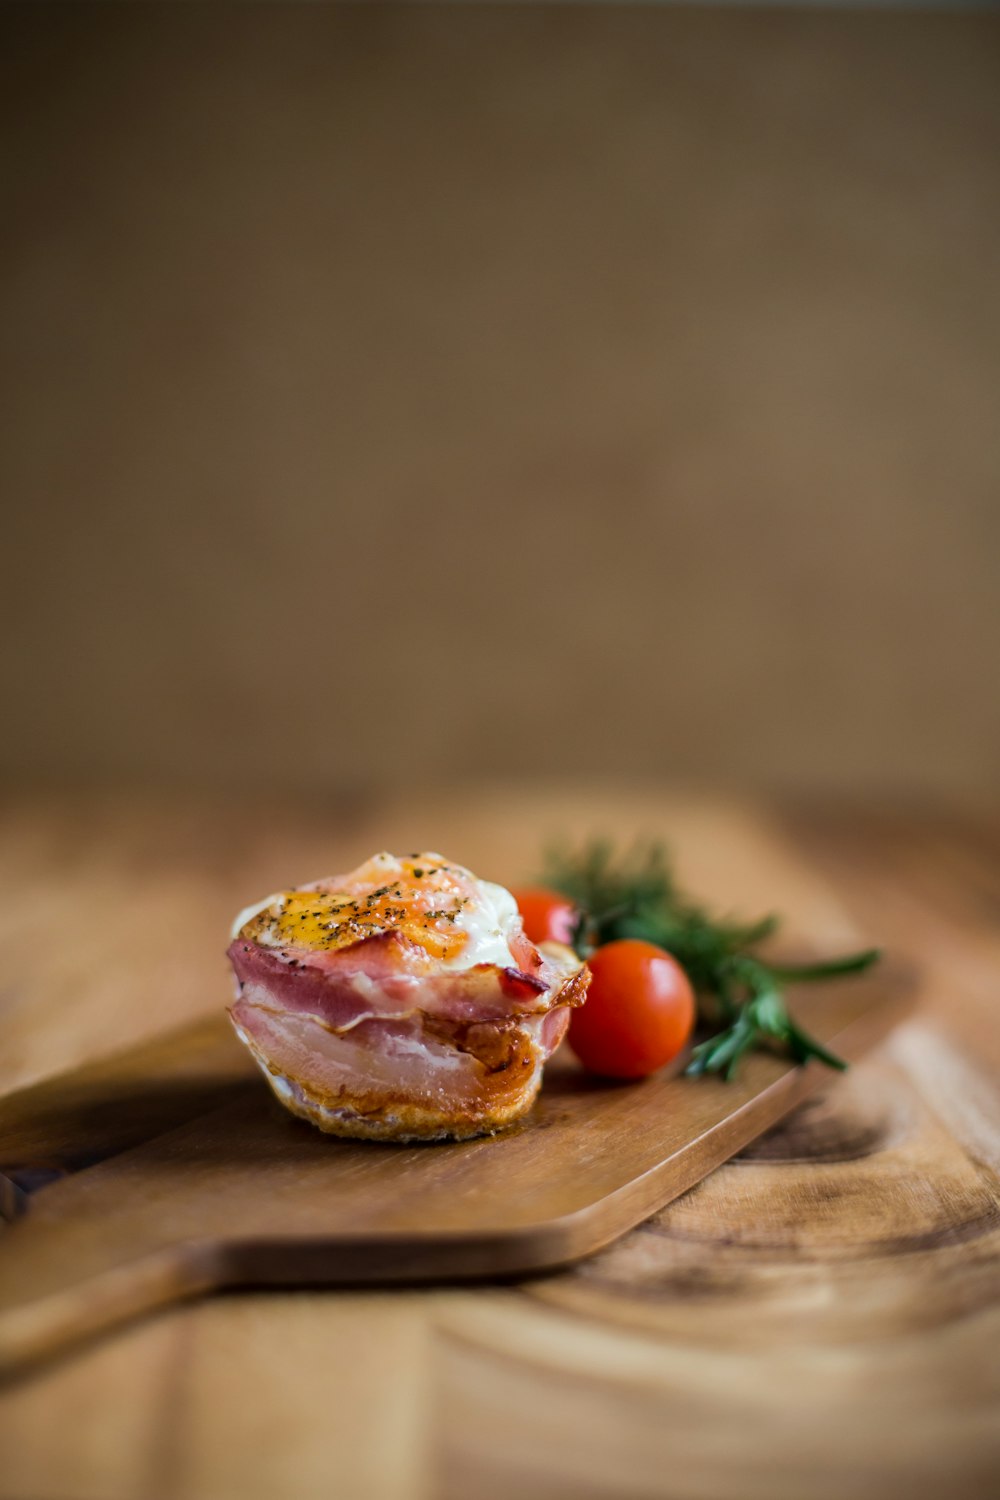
x: 408, y: 393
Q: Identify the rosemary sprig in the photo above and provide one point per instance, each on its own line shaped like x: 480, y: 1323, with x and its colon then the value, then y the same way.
x: 634, y: 895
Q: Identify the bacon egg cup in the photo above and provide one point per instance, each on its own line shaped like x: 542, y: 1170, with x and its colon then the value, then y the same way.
x: 401, y: 1001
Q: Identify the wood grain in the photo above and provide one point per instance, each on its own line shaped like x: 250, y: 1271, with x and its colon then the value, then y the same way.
x: 820, y: 1316
x: 243, y: 1193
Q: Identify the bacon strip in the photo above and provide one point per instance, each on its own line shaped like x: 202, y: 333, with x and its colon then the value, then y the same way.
x: 359, y: 1047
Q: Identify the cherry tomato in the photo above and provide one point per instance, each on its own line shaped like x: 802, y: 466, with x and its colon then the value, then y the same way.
x: 638, y: 1014
x: 547, y: 916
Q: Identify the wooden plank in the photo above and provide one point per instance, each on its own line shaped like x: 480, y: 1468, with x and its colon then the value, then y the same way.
x: 818, y: 1317
x: 77, y: 1119
x: 248, y: 1194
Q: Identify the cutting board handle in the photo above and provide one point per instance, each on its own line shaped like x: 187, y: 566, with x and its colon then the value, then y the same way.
x: 49, y: 1302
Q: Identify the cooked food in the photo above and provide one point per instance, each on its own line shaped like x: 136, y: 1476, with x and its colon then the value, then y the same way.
x: 639, y: 1014
x: 402, y: 1001
x: 660, y: 961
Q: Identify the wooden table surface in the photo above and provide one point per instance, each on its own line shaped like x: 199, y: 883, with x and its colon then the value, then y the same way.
x: 818, y: 1318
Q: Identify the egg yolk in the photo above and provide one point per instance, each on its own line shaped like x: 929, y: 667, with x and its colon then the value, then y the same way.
x: 424, y: 904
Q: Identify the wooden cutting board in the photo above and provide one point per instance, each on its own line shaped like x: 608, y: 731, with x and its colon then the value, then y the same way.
x: 171, y: 1171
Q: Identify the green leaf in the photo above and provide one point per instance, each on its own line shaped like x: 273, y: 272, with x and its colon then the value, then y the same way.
x: 831, y: 968
x: 634, y: 895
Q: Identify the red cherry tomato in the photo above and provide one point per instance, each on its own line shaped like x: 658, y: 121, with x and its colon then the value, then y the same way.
x: 547, y: 916
x: 638, y: 1014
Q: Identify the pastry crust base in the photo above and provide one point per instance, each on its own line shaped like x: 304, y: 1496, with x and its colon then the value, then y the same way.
x: 397, y: 1119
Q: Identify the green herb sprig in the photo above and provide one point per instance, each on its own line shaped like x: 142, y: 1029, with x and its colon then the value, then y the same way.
x: 634, y: 895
